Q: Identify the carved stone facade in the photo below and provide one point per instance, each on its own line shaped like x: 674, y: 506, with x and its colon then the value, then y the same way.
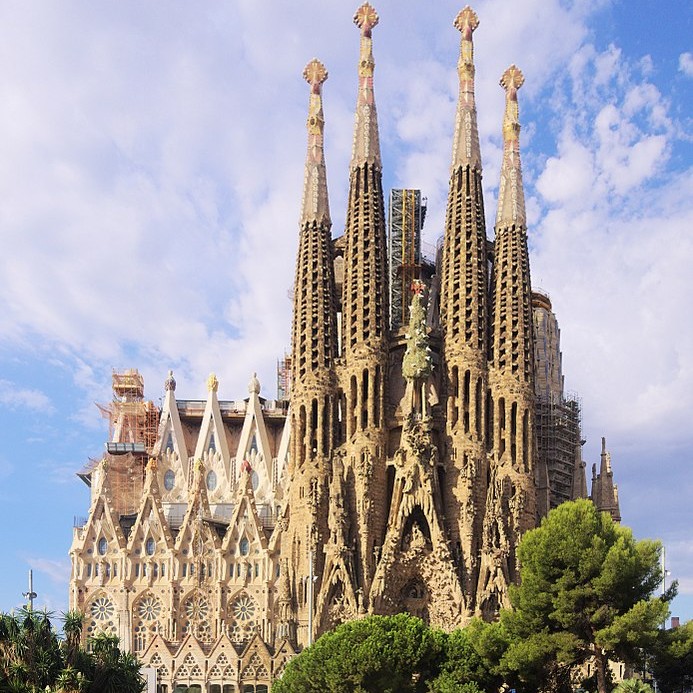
x: 399, y: 475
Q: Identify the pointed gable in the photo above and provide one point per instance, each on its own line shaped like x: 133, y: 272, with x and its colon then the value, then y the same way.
x: 212, y: 445
x: 103, y: 522
x: 254, y: 445
x: 150, y: 525
x: 245, y: 523
x: 195, y: 529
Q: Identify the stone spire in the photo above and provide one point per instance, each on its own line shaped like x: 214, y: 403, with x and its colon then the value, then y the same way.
x: 316, y: 206
x: 604, y: 491
x: 463, y: 313
x: 511, y: 196
x: 366, y: 147
x: 465, y: 149
x: 314, y: 327
x: 313, y: 400
x: 365, y: 315
x: 512, y: 340
x: 511, y: 500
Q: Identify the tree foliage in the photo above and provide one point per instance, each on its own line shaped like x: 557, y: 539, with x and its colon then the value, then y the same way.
x: 672, y: 661
x: 379, y: 653
x: 585, y: 595
x: 33, y: 658
x: 586, y: 592
x: 633, y: 686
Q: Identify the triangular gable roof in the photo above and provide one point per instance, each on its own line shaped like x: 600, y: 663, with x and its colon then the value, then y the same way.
x: 157, y: 644
x: 198, y: 511
x: 102, y: 511
x: 151, y: 503
x: 223, y: 644
x: 189, y: 644
x: 245, y: 514
x: 213, y: 423
x: 169, y: 423
x: 255, y: 645
x: 255, y: 428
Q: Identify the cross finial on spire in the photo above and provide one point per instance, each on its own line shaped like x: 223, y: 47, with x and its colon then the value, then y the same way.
x: 366, y: 18
x: 511, y: 198
x: 315, y: 206
x: 512, y: 80
x: 466, y: 21
x: 366, y: 147
x: 315, y: 73
x: 465, y: 150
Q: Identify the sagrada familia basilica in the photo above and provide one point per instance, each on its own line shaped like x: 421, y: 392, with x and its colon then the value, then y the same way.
x: 415, y: 445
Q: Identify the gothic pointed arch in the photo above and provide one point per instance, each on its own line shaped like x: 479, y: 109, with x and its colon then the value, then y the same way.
x: 171, y: 446
x: 254, y: 447
x: 212, y: 446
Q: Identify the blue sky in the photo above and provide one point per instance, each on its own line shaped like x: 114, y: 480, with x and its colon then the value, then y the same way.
x: 151, y: 161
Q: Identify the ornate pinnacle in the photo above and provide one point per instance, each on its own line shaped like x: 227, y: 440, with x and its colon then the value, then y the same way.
x: 511, y: 198
x: 366, y: 148
x: 170, y: 383
x: 315, y: 207
x: 466, y: 150
x: 315, y: 73
x: 512, y: 79
x: 212, y: 383
x: 366, y: 18
x: 466, y: 21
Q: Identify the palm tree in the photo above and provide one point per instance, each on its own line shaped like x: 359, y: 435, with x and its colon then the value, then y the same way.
x: 633, y: 686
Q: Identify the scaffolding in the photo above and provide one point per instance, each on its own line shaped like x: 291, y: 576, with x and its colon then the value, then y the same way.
x: 407, y: 213
x: 559, y: 444
x: 133, y: 425
x: 133, y: 421
x: 284, y: 378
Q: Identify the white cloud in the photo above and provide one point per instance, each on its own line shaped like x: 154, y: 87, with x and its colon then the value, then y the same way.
x: 686, y: 64
x: 57, y: 571
x: 15, y: 396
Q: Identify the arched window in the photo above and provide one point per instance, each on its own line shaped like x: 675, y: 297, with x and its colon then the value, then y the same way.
x: 102, y: 546
x: 211, y: 480
x: 150, y: 546
x: 169, y: 479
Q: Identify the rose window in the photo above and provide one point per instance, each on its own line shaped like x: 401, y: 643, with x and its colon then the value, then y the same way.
x: 196, y: 608
x: 102, y: 609
x: 244, y: 608
x: 149, y: 608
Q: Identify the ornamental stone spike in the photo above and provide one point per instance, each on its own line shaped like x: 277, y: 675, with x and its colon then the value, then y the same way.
x: 465, y: 150
x: 366, y: 146
x: 315, y: 206
x: 511, y: 197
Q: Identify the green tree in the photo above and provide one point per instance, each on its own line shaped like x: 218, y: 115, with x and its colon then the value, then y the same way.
x: 586, y: 592
x: 633, y: 686
x: 30, y: 654
x: 672, y: 661
x: 34, y: 660
x: 378, y: 654
x: 469, y: 659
